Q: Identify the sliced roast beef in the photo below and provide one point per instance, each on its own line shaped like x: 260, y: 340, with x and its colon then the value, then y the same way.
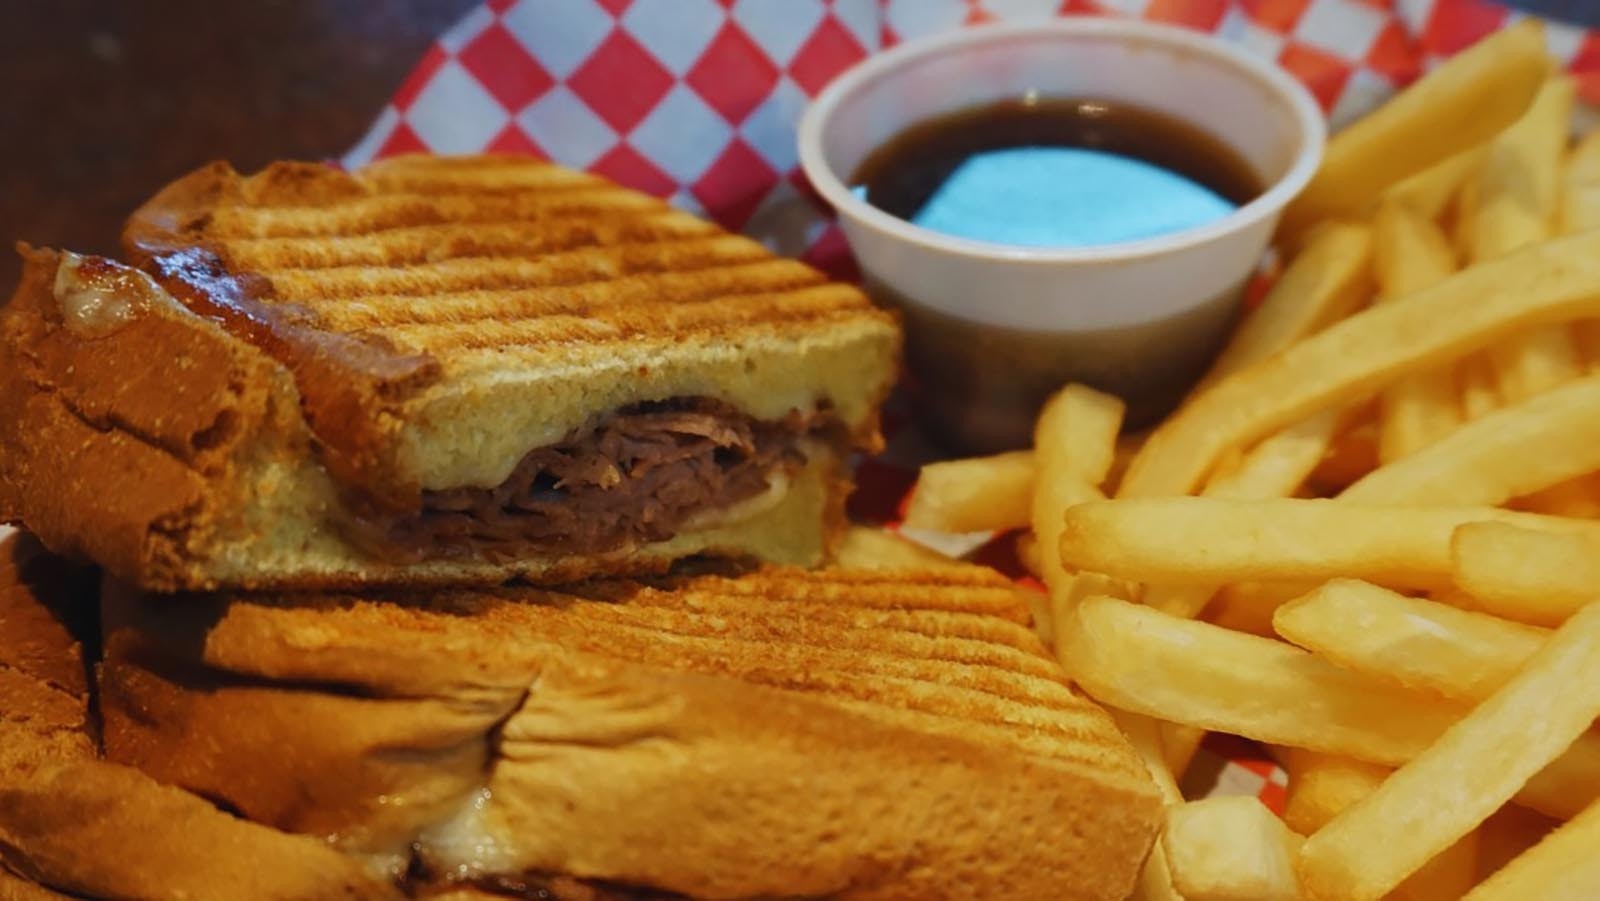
x: 634, y: 477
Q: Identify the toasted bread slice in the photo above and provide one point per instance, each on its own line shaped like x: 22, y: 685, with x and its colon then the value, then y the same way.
x: 779, y: 733
x: 432, y: 370
x: 74, y: 825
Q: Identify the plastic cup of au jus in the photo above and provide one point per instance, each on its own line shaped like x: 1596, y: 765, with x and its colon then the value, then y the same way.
x: 993, y: 328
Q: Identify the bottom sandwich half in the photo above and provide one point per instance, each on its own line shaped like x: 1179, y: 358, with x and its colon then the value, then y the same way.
x: 774, y: 733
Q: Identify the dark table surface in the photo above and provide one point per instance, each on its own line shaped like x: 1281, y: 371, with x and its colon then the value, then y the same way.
x: 102, y: 103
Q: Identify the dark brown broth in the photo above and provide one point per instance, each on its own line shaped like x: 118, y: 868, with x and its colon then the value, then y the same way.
x: 903, y: 173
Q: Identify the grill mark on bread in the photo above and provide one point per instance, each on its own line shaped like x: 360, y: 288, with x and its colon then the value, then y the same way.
x: 384, y: 212
x: 622, y: 324
x: 513, y: 176
x: 551, y: 270
x: 416, y: 244
x: 856, y: 645
x: 664, y: 288
x: 1002, y: 639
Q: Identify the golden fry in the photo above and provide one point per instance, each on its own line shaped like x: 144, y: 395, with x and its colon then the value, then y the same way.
x: 1519, y: 183
x: 1563, y: 867
x: 1250, y: 606
x: 1518, y: 200
x: 1131, y: 657
x: 1417, y: 644
x: 980, y: 494
x: 1430, y: 191
x: 1200, y: 540
x: 1512, y: 452
x: 1553, y: 282
x: 1423, y: 808
x: 1324, y: 283
x: 1536, y: 577
x: 1411, y: 254
x: 1322, y: 786
x: 1512, y: 830
x: 863, y: 547
x: 1480, y: 396
x: 1577, y: 497
x: 1462, y: 103
x: 1074, y: 440
x: 1276, y: 467
x: 1134, y: 658
x: 1230, y: 848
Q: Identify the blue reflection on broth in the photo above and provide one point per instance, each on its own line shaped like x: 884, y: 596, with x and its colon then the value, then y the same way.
x: 1066, y: 197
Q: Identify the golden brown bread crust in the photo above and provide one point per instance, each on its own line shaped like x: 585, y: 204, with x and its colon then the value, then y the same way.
x: 866, y: 735
x: 343, y: 340
x: 354, y: 714
x: 44, y: 606
x: 71, y: 823
x: 111, y: 459
x: 257, y: 254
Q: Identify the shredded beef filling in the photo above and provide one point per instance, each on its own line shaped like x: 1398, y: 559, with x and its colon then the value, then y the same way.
x: 634, y: 477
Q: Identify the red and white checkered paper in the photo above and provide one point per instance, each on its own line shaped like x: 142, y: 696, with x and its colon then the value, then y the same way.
x: 697, y: 101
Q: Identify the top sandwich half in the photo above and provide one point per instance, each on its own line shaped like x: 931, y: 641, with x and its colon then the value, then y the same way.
x: 431, y: 370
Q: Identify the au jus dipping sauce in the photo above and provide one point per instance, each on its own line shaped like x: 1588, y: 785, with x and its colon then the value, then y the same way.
x: 1040, y: 172
x: 1056, y: 172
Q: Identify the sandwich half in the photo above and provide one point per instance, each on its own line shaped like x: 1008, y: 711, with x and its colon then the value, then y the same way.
x: 429, y: 371
x: 73, y: 825
x: 776, y: 733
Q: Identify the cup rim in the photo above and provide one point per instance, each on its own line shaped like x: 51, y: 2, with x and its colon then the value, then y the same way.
x: 1305, y: 111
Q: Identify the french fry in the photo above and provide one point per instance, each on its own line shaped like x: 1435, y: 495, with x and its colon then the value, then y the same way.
x: 1423, y: 808
x: 1519, y: 183
x: 1249, y: 606
x: 1075, y: 442
x: 1134, y: 658
x: 1583, y: 163
x: 1430, y: 191
x: 1276, y: 467
x: 1324, y: 283
x: 1028, y: 554
x: 1179, y: 744
x: 1518, y: 200
x: 1202, y: 540
x: 1410, y: 254
x: 1563, y: 867
x: 1322, y: 786
x: 1353, y: 454
x: 1450, y: 874
x: 1564, y: 788
x: 1144, y: 734
x: 863, y: 547
x: 1417, y: 644
x: 1458, y: 105
x: 1506, y: 835
x: 979, y: 494
x: 1480, y: 396
x: 1535, y: 577
x: 1577, y: 497
x: 1155, y: 878
x: 1231, y: 848
x: 1137, y: 659
x: 1557, y: 281
x: 1580, y: 211
x: 1515, y: 451
x: 1466, y: 216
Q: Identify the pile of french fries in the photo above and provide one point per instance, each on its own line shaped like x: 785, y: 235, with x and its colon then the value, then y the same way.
x: 1370, y: 539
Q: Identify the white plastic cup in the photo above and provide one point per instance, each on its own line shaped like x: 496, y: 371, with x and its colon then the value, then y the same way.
x: 993, y: 329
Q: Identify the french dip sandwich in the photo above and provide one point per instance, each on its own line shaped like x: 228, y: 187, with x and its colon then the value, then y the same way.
x: 429, y: 371
x: 772, y: 733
